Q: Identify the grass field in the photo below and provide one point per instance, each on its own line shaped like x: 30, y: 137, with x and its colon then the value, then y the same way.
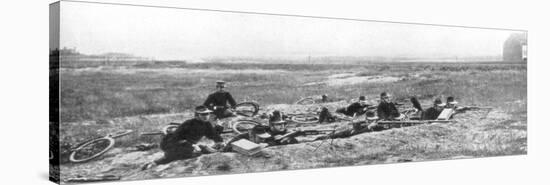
x: 143, y: 96
x: 103, y: 92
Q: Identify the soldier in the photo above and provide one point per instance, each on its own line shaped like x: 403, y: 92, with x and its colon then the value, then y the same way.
x: 356, y: 108
x: 324, y: 98
x: 181, y: 144
x: 276, y: 116
x: 277, y: 128
x: 368, y: 125
x: 386, y: 109
x: 219, y: 100
x: 325, y: 116
x: 451, y: 103
x: 433, y: 112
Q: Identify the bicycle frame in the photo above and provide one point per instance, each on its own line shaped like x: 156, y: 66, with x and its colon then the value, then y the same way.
x: 110, y: 138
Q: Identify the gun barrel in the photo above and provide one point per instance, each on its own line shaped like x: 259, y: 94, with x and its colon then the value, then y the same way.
x: 151, y: 133
x: 477, y: 107
x: 315, y: 132
x: 414, y: 122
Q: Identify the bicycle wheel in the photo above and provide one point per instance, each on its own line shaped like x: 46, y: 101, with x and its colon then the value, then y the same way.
x: 120, y: 133
x: 242, y: 126
x: 305, y: 101
x: 247, y: 109
x: 91, y: 149
x: 305, y: 119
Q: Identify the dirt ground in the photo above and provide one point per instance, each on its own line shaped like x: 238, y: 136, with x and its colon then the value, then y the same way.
x: 478, y: 133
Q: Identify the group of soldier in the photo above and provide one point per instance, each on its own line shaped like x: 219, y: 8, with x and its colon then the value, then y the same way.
x: 182, y: 143
x: 385, y: 111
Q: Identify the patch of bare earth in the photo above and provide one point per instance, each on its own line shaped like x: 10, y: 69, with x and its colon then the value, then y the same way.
x: 474, y: 134
x: 352, y: 79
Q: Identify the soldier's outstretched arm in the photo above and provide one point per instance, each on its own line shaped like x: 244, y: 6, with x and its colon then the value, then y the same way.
x: 212, y: 134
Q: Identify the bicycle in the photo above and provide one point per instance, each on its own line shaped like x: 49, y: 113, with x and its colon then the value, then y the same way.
x: 304, y: 118
x: 247, y: 109
x: 91, y: 149
x: 242, y: 126
x: 305, y: 101
x: 315, y: 100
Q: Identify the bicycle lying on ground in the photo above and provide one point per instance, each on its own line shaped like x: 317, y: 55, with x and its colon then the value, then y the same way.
x: 93, y: 148
x: 305, y: 101
x: 304, y: 118
x: 247, y: 109
x: 244, y: 125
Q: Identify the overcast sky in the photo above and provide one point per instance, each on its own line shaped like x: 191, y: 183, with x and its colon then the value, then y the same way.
x: 164, y: 33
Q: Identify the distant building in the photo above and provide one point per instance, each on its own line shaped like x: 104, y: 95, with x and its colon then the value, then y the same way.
x: 515, y: 48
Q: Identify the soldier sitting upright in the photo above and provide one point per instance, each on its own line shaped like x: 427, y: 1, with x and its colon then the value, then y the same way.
x: 219, y: 100
x: 386, y: 109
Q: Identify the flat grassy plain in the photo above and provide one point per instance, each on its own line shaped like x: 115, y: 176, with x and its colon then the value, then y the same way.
x: 104, y: 92
x: 99, y: 98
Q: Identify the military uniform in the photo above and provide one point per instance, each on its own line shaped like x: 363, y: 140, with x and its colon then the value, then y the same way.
x: 356, y: 129
x: 218, y: 101
x: 191, y: 131
x: 387, y: 111
x: 277, y: 117
x: 430, y: 114
x: 325, y: 116
x: 352, y: 109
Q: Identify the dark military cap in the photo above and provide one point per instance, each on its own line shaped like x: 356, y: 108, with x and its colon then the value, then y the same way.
x: 451, y: 100
x: 438, y: 102
x: 201, y: 109
x: 220, y: 83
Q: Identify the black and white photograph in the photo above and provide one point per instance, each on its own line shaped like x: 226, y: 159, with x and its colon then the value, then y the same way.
x: 148, y: 92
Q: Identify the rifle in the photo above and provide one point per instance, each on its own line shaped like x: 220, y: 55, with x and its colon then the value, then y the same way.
x: 466, y: 108
x: 162, y: 133
x: 463, y: 109
x: 391, y: 123
x: 303, y: 133
x: 413, y: 122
